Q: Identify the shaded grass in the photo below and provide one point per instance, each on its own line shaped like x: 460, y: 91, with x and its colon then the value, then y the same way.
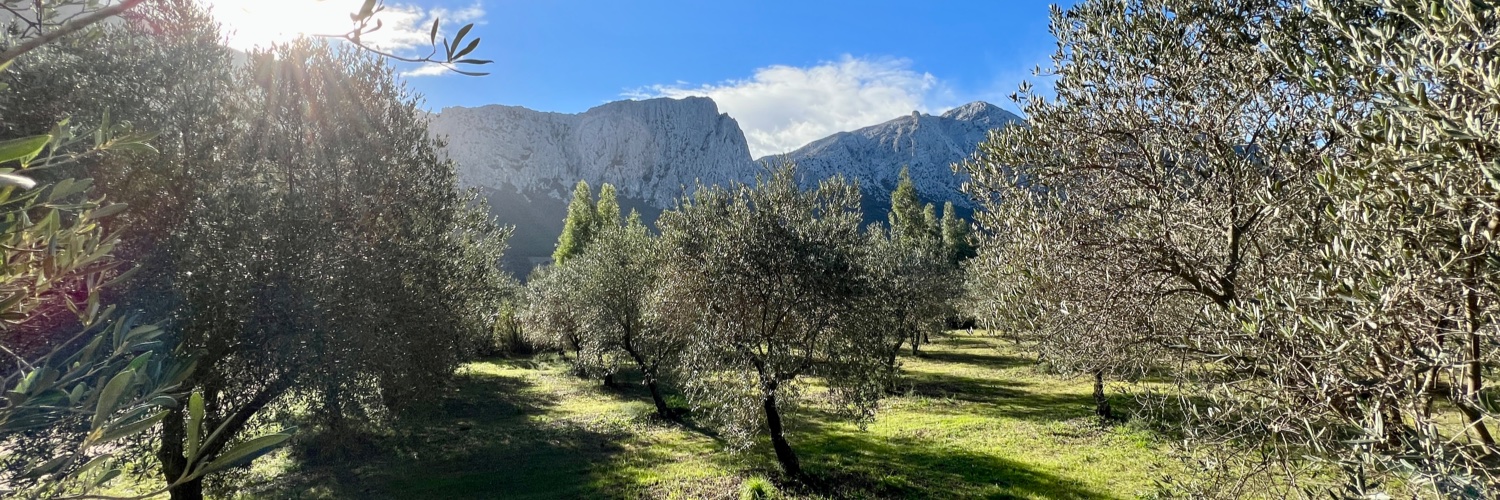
x: 971, y: 419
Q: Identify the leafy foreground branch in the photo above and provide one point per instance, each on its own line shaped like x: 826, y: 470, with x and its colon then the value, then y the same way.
x: 108, y: 383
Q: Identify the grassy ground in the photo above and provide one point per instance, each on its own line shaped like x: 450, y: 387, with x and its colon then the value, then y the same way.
x: 973, y: 420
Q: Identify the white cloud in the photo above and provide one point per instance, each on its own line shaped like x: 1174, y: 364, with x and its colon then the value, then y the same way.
x: 782, y: 108
x: 428, y: 69
x: 404, y: 31
x: 408, y: 26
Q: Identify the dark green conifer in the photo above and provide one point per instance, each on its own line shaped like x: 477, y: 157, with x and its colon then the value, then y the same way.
x: 908, y: 221
x: 956, y: 236
x: 580, y: 225
x: 608, y: 209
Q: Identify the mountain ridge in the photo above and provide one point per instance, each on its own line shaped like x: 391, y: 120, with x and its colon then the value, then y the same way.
x: 645, y: 148
x: 928, y: 145
x: 655, y: 151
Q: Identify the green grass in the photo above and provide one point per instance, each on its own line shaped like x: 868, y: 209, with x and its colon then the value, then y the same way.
x: 972, y: 419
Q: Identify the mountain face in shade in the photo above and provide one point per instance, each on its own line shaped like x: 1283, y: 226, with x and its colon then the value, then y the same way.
x: 654, y: 151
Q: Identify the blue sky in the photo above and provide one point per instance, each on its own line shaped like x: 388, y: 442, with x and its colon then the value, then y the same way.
x: 789, y: 71
x: 571, y: 55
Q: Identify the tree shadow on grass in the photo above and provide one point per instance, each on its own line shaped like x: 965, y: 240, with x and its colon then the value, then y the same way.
x: 1005, y: 402
x: 971, y: 389
x: 479, y: 440
x: 630, y: 387
x: 965, y: 340
x: 841, y: 463
x: 995, y: 393
x: 999, y: 398
x: 986, y: 357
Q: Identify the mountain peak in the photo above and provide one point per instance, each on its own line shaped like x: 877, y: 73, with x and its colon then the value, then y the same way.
x: 689, y: 104
x: 979, y: 110
x: 929, y: 145
x: 654, y: 150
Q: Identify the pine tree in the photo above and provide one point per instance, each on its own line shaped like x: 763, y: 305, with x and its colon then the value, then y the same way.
x: 579, y: 227
x: 930, y: 228
x: 607, y: 211
x: 956, y: 236
x: 908, y: 222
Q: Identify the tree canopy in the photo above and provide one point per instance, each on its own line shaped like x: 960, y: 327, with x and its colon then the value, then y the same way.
x: 1277, y: 200
x: 771, y: 275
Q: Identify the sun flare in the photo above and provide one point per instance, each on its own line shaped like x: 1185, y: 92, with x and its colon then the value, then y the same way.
x: 252, y: 24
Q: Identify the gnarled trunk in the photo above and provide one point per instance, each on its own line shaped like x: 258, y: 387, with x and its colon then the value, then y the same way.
x: 784, y: 453
x: 891, y: 372
x: 649, y: 370
x: 1474, y: 371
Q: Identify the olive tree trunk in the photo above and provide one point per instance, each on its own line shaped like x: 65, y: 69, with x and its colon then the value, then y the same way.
x: 661, y: 403
x: 173, y: 457
x: 1101, y: 401
x: 784, y: 453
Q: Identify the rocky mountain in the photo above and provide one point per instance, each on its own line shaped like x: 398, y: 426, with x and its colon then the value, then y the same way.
x: 653, y: 151
x: 929, y: 145
x: 649, y: 150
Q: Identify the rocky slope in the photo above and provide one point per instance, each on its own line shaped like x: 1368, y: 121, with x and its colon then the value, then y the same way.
x: 655, y: 150
x: 648, y: 149
x: 929, y: 145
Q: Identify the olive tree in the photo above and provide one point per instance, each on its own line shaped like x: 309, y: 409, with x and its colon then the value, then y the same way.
x: 552, y: 318
x: 335, y: 264
x: 1159, y: 194
x: 554, y: 312
x: 1406, y: 284
x: 88, y: 381
x: 1054, y: 300
x: 1285, y: 201
x: 1154, y: 181
x: 52, y: 392
x: 620, y: 295
x: 771, y: 277
x: 912, y: 286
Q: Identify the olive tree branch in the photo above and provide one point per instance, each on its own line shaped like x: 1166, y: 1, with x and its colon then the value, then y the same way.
x: 65, y: 29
